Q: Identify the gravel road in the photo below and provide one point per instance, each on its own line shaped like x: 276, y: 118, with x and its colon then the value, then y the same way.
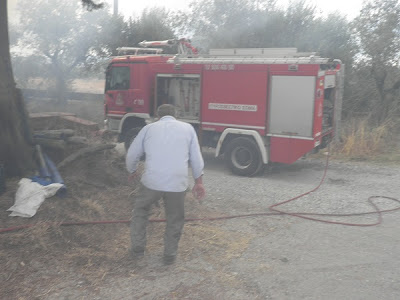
x: 277, y: 257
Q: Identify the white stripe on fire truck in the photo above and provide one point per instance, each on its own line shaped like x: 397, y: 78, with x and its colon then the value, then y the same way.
x: 291, y: 136
x: 232, y: 125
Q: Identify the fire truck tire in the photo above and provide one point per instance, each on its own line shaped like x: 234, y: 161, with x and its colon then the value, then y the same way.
x: 243, y: 157
x: 129, y: 136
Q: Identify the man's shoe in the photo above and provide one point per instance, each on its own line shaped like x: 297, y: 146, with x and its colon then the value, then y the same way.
x: 169, y: 259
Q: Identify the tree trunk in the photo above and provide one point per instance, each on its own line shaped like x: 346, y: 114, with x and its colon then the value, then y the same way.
x: 15, y: 149
x: 60, y: 84
x: 381, y: 110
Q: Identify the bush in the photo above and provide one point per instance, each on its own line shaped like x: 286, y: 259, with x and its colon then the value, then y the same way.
x: 361, y: 141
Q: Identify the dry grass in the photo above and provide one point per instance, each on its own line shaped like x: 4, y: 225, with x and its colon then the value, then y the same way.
x: 218, y: 246
x: 361, y: 141
x: 208, y: 240
x: 98, y: 190
x: 93, y: 206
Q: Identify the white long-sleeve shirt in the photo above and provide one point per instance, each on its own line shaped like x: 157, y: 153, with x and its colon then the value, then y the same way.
x: 170, y: 146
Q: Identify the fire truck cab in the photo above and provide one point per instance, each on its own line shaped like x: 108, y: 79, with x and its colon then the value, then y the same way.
x: 254, y: 106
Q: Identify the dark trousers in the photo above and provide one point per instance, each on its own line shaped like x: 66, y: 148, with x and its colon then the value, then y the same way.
x: 175, y: 215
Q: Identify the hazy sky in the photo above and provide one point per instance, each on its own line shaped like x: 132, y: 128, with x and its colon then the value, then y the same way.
x: 350, y: 8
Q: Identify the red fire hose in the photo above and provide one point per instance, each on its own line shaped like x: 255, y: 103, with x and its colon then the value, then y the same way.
x: 273, y: 208
x: 312, y: 216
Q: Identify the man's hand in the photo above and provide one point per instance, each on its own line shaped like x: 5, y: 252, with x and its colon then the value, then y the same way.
x: 132, y: 177
x: 198, y: 191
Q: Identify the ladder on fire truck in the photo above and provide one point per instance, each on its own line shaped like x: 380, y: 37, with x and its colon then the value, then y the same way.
x: 138, y: 51
x: 255, y: 56
x: 189, y: 54
x: 226, y: 60
x: 183, y: 45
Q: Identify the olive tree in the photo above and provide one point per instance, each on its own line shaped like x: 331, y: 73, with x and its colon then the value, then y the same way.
x: 376, y: 30
x: 62, y: 35
x: 15, y: 149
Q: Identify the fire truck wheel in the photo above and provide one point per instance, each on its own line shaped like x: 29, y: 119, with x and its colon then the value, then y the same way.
x: 243, y: 157
x: 130, y: 136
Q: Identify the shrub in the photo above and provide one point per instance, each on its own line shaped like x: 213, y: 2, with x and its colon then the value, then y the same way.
x: 360, y: 140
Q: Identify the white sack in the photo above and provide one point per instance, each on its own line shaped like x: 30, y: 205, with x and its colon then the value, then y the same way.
x: 30, y: 195
x: 120, y: 149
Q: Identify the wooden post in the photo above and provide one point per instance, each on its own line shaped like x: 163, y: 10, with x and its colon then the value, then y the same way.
x: 338, y: 104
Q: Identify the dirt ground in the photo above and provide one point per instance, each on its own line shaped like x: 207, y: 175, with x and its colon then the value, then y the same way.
x: 270, y: 257
x: 38, y: 258
x: 273, y: 257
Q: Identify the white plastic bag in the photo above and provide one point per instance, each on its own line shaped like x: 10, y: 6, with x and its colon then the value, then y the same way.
x: 30, y: 195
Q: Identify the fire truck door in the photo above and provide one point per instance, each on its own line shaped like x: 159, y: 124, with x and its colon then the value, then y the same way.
x: 117, y: 86
x: 138, y: 98
x: 291, y: 107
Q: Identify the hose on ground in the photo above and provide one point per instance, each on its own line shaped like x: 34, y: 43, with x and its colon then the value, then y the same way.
x: 273, y: 211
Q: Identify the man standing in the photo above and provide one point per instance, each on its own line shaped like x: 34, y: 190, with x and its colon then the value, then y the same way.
x: 169, y: 146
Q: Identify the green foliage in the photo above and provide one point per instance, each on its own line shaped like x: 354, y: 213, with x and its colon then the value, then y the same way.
x: 113, y: 33
x: 220, y: 23
x: 153, y: 24
x: 261, y: 24
x: 60, y: 35
x: 377, y: 30
x: 69, y: 40
x: 331, y: 37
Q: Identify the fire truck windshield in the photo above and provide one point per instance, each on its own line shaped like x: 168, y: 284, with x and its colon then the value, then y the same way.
x: 117, y: 78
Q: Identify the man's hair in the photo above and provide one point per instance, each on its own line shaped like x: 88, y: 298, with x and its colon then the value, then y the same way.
x: 166, y: 110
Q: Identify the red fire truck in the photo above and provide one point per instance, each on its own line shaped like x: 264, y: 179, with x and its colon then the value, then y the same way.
x: 254, y: 106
